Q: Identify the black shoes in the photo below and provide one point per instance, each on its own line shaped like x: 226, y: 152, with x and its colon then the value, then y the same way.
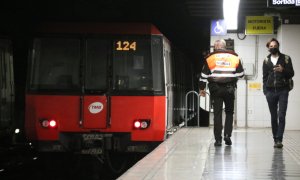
x: 278, y: 144
x: 218, y: 143
x: 227, y: 141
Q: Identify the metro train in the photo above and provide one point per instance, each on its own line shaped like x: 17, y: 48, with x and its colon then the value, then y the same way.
x: 104, y: 88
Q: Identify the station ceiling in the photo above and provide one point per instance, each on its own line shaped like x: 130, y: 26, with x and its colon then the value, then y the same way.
x: 185, y: 22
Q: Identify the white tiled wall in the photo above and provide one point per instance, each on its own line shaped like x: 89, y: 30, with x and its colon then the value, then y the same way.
x: 289, y: 36
x: 257, y: 113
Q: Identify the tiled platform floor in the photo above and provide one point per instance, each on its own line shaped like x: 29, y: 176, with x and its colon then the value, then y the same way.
x: 190, y: 154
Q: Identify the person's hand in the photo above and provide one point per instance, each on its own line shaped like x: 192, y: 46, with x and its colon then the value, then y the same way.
x: 278, y: 68
x: 202, y: 93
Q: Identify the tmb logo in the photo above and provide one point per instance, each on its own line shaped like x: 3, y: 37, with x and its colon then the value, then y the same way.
x: 95, y: 107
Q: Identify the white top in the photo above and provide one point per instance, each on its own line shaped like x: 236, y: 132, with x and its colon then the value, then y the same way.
x: 274, y: 60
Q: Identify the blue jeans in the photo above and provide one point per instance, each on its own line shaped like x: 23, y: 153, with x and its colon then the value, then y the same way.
x: 275, y: 99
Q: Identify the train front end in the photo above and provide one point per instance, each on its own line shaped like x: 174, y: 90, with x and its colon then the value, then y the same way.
x: 90, y: 92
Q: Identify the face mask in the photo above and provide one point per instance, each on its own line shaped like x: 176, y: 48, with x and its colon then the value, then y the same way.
x: 273, y: 50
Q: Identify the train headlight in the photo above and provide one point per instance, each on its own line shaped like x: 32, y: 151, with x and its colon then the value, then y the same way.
x: 137, y: 124
x: 52, y: 123
x: 46, y: 123
x: 141, y: 123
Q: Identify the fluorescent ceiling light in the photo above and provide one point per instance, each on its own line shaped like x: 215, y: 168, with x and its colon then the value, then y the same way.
x: 230, y: 10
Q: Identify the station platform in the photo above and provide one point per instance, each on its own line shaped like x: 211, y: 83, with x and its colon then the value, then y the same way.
x: 190, y: 154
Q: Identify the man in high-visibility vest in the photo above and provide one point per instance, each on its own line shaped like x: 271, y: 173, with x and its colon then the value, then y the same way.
x: 221, y: 70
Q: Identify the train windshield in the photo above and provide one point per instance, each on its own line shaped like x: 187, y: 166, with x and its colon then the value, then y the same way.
x: 133, y: 65
x: 122, y: 65
x: 56, y: 64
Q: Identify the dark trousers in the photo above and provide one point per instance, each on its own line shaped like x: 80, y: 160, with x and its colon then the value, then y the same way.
x: 275, y: 99
x: 223, y: 95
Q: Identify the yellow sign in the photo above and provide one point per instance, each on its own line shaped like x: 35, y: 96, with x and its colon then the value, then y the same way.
x: 259, y: 25
x: 254, y: 86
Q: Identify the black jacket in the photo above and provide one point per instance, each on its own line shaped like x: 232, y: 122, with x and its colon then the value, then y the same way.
x: 277, y: 80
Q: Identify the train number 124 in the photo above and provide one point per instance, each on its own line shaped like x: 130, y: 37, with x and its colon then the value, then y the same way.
x: 125, y: 46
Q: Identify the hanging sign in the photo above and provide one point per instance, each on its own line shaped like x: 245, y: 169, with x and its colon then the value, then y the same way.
x: 283, y: 3
x: 218, y: 27
x: 259, y: 25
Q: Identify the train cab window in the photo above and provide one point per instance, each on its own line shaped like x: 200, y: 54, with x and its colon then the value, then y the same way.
x: 132, y: 66
x: 96, y: 65
x: 55, y: 64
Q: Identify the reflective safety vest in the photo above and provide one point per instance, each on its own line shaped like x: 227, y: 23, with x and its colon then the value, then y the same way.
x: 222, y: 67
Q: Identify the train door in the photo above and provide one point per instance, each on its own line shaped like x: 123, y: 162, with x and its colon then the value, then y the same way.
x: 95, y: 99
x: 168, y: 82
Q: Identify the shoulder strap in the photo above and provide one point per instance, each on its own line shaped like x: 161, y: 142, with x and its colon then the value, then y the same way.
x: 286, y: 59
x: 266, y: 60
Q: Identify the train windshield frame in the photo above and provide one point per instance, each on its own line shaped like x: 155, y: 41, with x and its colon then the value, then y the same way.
x: 119, y: 65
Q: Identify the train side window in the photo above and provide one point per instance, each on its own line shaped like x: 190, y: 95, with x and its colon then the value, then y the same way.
x: 157, y: 63
x: 6, y: 89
